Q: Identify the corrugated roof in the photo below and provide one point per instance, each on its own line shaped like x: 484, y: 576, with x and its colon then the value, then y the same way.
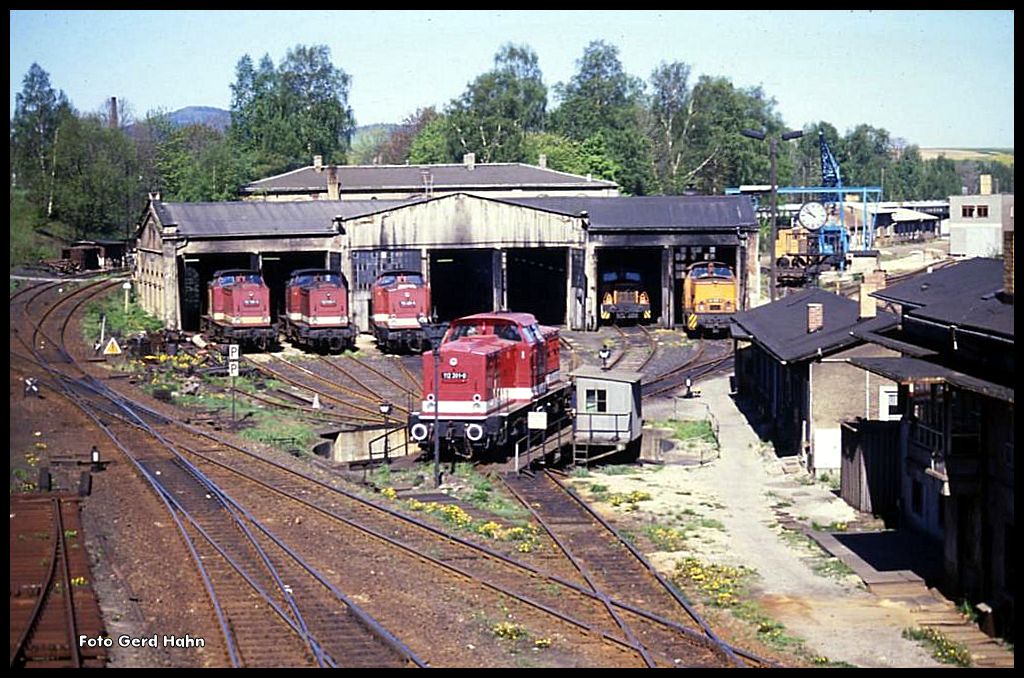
x: 412, y: 178
x: 653, y: 213
x: 231, y: 219
x: 974, y: 277
x: 781, y: 326
x: 987, y: 313
x: 903, y: 214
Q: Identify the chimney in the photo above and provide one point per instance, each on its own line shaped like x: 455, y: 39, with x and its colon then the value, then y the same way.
x: 113, y: 113
x: 867, y: 303
x: 333, y: 185
x: 469, y: 160
x: 542, y: 161
x: 985, y: 184
x: 815, y: 317
x: 318, y: 163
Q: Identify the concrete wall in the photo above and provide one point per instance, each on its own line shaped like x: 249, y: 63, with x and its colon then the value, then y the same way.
x: 978, y: 236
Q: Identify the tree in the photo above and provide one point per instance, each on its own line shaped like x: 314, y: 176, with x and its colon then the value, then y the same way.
x: 285, y: 115
x: 671, y: 116
x: 198, y: 163
x: 39, y: 111
x: 431, y: 144
x: 498, y: 108
x: 602, y: 98
x: 396, y: 150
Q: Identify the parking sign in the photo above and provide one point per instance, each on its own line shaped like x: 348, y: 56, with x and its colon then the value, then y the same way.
x: 232, y: 351
x: 233, y: 368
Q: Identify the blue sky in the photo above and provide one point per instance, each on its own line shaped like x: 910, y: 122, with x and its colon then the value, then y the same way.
x: 934, y: 78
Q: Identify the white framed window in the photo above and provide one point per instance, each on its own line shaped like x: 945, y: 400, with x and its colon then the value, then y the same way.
x: 888, y: 403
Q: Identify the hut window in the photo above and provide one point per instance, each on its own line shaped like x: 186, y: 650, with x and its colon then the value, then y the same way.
x: 982, y: 211
x: 597, y: 400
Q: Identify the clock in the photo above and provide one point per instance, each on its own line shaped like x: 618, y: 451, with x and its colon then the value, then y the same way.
x: 812, y: 215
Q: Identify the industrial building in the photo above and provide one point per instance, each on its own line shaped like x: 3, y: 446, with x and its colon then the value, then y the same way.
x: 543, y: 255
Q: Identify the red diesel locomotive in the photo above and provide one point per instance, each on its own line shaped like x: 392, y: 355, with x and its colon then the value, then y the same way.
x: 401, y: 304
x: 316, y: 310
x: 495, y: 368
x: 239, y: 309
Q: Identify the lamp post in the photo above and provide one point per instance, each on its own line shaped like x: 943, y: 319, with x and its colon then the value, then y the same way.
x: 434, y: 332
x: 772, y: 147
x: 385, y: 409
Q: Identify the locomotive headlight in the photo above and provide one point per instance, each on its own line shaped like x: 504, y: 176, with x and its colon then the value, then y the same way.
x: 607, y: 299
x: 393, y: 316
x: 474, y: 432
x: 700, y: 306
x: 644, y: 299
x: 430, y: 397
x: 419, y: 431
x: 453, y: 361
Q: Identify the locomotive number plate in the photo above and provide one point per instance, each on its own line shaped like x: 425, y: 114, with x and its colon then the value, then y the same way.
x: 454, y: 376
x: 406, y: 303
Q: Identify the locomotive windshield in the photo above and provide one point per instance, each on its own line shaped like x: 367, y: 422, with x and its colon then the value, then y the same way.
x: 616, y: 276
x: 507, y: 331
x: 711, y: 271
x: 409, y: 278
x: 233, y: 278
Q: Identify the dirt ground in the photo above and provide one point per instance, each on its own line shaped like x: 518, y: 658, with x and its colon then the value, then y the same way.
x: 729, y: 511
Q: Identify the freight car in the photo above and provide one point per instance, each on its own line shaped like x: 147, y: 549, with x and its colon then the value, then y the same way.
x: 624, y: 297
x: 495, y: 368
x: 709, y: 296
x: 401, y: 304
x: 317, y: 310
x: 239, y: 309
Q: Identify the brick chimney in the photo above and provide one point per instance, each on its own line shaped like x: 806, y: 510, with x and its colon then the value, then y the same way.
x: 469, y: 160
x: 1008, y: 264
x: 815, y: 317
x: 333, y: 185
x: 985, y: 184
x: 873, y: 282
x: 318, y: 163
x: 542, y: 161
x: 114, y: 123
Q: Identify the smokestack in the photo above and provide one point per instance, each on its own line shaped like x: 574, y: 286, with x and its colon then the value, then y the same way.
x: 333, y: 185
x: 113, y: 113
x: 469, y: 160
x: 815, y: 317
x: 318, y: 163
x: 543, y: 161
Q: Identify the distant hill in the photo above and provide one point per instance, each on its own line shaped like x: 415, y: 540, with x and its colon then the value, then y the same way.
x: 1003, y: 155
x: 217, y: 118
x: 370, y: 130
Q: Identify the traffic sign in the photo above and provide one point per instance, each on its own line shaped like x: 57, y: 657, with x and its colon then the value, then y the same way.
x: 112, y: 347
x: 232, y: 351
x: 536, y: 421
x: 233, y: 368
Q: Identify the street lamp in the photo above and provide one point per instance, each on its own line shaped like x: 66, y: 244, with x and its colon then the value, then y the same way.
x: 772, y: 146
x: 604, y: 354
x: 434, y: 332
x: 385, y: 409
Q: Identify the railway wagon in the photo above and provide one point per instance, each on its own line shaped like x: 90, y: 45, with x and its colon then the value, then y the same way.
x: 624, y: 297
x: 801, y: 253
x: 239, y: 309
x: 709, y: 296
x: 495, y: 368
x: 317, y: 310
x: 401, y: 304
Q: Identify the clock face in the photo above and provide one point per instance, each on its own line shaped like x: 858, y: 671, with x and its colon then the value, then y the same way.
x: 812, y: 215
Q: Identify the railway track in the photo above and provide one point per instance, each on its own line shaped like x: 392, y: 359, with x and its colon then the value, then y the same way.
x: 609, y: 563
x: 236, y: 568
x: 637, y: 348
x: 51, y: 596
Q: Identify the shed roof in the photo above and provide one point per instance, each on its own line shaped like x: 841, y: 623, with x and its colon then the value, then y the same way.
x: 667, y: 213
x: 590, y: 372
x: 366, y: 178
x: 903, y: 214
x: 987, y: 313
x: 971, y: 277
x: 248, y: 218
x: 781, y: 326
x: 914, y: 370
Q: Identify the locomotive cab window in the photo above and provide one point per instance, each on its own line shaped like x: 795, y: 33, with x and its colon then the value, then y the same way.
x: 509, y: 332
x: 596, y: 400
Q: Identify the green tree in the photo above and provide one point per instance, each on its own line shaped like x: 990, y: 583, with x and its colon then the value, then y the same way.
x: 671, y: 117
x: 396, y: 150
x: 431, y: 144
x: 39, y: 111
x: 940, y: 179
x: 285, y: 115
x: 602, y: 98
x: 198, y: 164
x: 863, y: 153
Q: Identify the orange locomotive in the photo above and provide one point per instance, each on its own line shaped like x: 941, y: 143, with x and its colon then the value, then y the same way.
x: 495, y: 368
x: 709, y: 296
x: 239, y: 309
x: 401, y: 304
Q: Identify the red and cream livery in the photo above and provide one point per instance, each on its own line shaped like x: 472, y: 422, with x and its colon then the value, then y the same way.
x: 316, y: 310
x: 239, y: 309
x: 494, y: 369
x: 401, y: 304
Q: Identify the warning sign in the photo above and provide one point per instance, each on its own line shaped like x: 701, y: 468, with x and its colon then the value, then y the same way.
x: 112, y: 348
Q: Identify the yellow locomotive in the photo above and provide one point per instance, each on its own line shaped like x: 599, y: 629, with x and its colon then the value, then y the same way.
x: 709, y: 296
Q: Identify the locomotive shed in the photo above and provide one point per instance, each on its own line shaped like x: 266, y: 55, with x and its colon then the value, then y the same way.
x: 542, y: 255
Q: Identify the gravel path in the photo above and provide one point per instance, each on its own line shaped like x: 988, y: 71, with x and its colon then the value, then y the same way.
x: 835, y: 616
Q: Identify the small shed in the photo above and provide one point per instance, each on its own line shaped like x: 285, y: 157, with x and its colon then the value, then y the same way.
x: 609, y: 417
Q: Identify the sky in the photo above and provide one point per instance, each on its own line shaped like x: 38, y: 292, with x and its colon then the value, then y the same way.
x: 936, y: 78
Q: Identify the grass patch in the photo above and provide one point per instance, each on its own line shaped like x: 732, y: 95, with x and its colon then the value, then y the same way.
x: 831, y: 479
x: 119, y: 322
x: 943, y: 649
x: 482, y: 494
x: 665, y: 538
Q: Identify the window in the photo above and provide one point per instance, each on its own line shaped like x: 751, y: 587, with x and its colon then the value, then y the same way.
x: 982, y: 211
x: 888, y: 403
x: 597, y: 400
x: 917, y: 498
x: 967, y: 211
